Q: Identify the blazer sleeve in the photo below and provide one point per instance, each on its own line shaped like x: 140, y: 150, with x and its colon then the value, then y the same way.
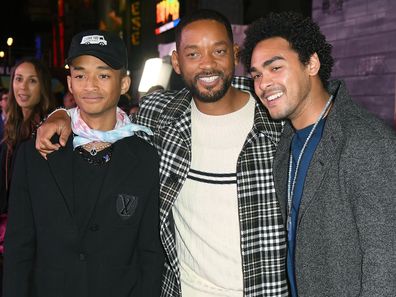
x: 19, y: 246
x: 150, y: 249
x: 372, y: 168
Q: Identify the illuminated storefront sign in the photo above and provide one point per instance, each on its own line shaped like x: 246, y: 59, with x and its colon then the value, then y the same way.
x: 167, y: 15
x: 136, y: 23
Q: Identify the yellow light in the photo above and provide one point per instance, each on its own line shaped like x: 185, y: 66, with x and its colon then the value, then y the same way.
x: 2, y: 54
x: 10, y: 40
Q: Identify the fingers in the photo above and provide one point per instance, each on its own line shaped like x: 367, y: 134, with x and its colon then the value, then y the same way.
x: 43, y: 139
x: 64, y: 134
x: 45, y: 146
x: 43, y: 155
x: 58, y: 123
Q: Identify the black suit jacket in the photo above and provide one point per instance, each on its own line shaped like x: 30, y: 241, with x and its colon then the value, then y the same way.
x: 116, y: 253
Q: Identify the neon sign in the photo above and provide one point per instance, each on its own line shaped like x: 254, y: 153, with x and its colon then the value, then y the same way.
x: 167, y: 15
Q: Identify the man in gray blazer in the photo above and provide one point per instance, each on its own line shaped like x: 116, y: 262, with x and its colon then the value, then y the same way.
x: 335, y: 166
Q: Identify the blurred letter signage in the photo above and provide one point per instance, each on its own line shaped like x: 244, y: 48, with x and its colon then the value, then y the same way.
x: 136, y: 23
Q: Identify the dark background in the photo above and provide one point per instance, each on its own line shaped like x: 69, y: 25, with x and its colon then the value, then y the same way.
x: 26, y: 19
x: 362, y: 33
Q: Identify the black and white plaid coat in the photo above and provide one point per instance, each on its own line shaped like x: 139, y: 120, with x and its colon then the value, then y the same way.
x: 263, y: 237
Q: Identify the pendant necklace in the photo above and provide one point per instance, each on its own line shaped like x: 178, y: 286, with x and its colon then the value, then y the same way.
x: 94, y: 147
x: 96, y: 154
x: 291, y: 183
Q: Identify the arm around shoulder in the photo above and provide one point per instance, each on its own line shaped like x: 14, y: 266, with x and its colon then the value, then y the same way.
x: 58, y: 122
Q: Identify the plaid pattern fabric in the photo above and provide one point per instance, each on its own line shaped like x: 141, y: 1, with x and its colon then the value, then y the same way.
x: 263, y: 237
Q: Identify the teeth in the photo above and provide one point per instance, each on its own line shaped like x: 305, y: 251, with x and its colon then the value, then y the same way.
x: 209, y: 79
x: 275, y: 96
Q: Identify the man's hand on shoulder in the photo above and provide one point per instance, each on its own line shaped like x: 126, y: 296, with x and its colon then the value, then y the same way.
x: 57, y: 123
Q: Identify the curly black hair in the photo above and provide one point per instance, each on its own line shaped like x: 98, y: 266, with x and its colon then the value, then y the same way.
x: 301, y: 32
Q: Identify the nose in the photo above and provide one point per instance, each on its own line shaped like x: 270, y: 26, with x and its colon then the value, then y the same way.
x: 24, y: 84
x: 208, y: 61
x: 91, y: 83
x: 264, y: 82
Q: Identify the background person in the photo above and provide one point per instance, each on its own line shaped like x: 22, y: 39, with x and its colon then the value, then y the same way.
x: 68, y: 100
x: 3, y: 107
x: 155, y: 88
x: 335, y: 166
x: 28, y: 102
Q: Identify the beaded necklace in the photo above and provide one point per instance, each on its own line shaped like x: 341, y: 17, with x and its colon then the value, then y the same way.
x: 95, y: 159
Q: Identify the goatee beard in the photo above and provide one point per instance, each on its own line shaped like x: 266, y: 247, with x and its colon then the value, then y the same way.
x: 209, y: 96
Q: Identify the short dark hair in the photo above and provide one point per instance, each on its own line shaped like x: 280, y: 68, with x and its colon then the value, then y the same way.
x: 203, y: 14
x: 301, y: 32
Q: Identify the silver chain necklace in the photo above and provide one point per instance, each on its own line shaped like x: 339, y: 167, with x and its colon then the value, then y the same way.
x: 291, y: 184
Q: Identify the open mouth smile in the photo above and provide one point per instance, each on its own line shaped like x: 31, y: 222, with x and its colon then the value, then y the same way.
x: 274, y: 96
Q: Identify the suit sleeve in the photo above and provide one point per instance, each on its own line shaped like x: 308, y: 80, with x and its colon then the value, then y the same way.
x: 19, y: 246
x: 373, y: 188
x: 150, y: 247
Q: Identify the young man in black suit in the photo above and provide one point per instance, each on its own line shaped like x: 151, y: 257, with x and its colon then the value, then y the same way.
x: 85, y: 223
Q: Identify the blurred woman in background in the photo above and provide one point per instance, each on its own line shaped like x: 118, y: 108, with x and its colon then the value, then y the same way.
x: 30, y: 99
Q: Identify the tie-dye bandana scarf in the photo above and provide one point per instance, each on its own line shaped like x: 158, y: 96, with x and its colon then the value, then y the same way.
x: 83, y: 134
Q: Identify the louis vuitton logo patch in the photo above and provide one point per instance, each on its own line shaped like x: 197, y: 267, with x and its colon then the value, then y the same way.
x: 126, y: 205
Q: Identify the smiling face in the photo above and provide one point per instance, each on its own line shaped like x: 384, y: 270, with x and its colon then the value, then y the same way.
x: 206, y: 60
x: 26, y: 86
x: 96, y: 88
x: 282, y: 82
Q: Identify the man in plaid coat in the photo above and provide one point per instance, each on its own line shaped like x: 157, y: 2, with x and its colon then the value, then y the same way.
x: 191, y: 172
x: 220, y: 220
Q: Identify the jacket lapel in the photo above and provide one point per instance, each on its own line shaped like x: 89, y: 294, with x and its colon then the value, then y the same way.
x: 280, y: 169
x: 175, y: 131
x: 60, y: 166
x: 122, y: 164
x: 321, y: 162
x: 177, y: 117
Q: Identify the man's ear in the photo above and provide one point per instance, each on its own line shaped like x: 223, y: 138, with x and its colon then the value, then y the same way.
x: 236, y: 54
x: 313, y: 65
x: 175, y: 62
x: 125, y: 84
x: 69, y: 86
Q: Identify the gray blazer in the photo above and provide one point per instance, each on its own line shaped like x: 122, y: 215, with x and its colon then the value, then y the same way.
x: 345, y: 244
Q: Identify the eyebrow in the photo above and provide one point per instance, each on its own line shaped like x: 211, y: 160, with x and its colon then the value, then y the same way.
x: 27, y: 76
x: 192, y: 46
x: 104, y: 67
x: 267, y: 62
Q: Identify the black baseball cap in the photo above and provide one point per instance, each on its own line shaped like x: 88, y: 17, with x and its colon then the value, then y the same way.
x: 104, y: 45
